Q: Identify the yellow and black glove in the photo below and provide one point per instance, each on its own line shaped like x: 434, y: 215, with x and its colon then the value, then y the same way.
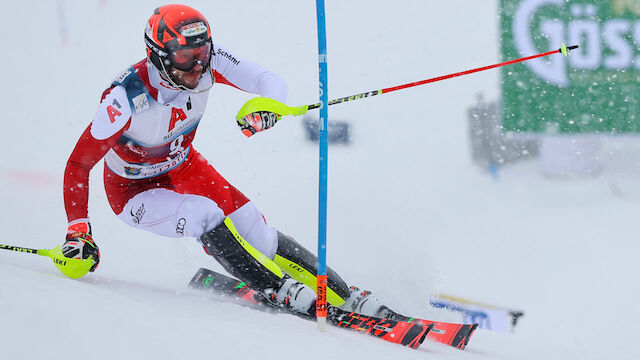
x: 79, y: 243
x: 257, y: 121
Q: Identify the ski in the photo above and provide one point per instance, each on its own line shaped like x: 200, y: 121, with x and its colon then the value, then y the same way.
x: 452, y: 334
x: 410, y: 334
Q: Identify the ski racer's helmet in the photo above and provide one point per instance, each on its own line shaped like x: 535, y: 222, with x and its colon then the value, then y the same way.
x: 179, y: 37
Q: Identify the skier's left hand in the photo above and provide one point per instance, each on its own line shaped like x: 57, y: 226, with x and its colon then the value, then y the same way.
x: 79, y: 244
x: 257, y: 121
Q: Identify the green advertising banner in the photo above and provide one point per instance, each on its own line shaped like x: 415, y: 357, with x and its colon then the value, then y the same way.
x: 595, y: 90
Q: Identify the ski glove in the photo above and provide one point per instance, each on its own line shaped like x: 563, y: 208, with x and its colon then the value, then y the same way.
x: 257, y: 121
x: 80, y: 245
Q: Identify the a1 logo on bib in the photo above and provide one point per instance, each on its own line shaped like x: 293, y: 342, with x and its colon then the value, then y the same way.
x: 177, y: 114
x: 112, y: 111
x: 112, y: 115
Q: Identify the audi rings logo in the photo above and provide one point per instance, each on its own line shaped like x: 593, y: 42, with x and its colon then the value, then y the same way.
x: 180, y: 227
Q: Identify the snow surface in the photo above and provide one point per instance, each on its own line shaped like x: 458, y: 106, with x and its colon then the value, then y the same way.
x: 409, y: 214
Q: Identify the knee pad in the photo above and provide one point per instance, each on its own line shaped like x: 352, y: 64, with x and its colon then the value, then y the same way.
x: 302, y: 265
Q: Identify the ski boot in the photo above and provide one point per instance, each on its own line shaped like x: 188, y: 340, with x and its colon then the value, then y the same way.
x: 292, y: 296
x: 365, y: 303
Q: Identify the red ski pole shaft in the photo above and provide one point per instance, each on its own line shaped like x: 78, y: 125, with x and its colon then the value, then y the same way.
x: 562, y: 50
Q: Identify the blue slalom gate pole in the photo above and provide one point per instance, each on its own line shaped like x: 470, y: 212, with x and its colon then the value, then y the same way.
x: 321, y: 290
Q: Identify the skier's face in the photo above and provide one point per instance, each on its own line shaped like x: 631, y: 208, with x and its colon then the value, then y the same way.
x: 189, y: 64
x: 188, y: 79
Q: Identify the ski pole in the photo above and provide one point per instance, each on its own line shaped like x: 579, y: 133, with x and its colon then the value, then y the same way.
x: 266, y: 104
x: 73, y: 268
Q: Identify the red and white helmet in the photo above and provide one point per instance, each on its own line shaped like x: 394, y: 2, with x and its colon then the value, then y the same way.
x: 179, y: 37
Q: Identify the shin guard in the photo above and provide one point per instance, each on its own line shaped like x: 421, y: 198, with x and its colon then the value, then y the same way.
x: 302, y: 265
x: 241, y: 259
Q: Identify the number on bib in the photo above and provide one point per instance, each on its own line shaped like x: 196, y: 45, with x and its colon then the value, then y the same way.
x: 176, y: 145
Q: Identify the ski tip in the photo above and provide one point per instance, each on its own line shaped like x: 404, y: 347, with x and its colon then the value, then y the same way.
x: 472, y: 329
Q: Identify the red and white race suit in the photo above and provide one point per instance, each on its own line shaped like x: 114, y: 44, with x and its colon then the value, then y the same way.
x: 154, y: 178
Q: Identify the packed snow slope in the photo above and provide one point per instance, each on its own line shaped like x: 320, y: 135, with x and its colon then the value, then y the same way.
x: 409, y: 213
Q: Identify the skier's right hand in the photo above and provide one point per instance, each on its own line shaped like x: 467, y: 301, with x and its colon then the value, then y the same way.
x: 257, y: 121
x: 79, y: 243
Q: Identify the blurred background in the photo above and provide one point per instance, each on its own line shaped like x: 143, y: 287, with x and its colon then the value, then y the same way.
x: 517, y: 186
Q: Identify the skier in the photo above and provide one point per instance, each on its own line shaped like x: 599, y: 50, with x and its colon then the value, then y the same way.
x: 156, y: 181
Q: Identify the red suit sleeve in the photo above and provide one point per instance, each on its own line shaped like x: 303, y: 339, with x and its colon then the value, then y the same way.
x: 87, y: 152
x: 85, y: 155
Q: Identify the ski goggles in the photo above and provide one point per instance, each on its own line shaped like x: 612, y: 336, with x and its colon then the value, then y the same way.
x: 186, y: 59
